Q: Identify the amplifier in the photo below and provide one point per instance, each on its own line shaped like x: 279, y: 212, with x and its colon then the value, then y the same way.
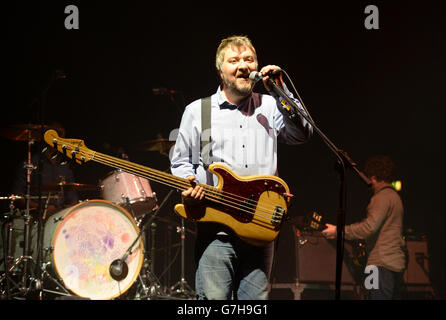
x: 417, y: 272
x: 311, y: 258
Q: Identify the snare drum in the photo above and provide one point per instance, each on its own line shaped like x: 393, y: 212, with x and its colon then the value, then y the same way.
x: 82, y: 241
x: 129, y: 191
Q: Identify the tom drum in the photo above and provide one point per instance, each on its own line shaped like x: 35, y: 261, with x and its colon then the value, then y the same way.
x: 129, y: 191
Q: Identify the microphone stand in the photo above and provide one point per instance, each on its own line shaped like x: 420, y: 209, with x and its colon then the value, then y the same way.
x: 180, y: 288
x: 343, y: 163
x: 119, y: 268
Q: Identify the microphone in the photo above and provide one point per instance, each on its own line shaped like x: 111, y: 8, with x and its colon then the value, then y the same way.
x: 256, y: 76
x: 59, y: 74
x: 118, y: 270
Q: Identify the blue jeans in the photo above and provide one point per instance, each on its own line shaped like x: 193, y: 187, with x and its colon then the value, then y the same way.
x: 231, y: 269
x: 390, y: 284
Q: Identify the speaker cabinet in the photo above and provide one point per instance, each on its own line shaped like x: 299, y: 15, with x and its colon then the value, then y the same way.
x: 316, y: 261
x: 417, y: 272
x: 305, y: 267
x: 311, y: 258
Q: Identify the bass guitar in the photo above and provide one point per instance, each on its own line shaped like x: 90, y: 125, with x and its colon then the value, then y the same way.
x: 254, y: 207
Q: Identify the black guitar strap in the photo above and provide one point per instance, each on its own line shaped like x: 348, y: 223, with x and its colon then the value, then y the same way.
x: 206, y: 131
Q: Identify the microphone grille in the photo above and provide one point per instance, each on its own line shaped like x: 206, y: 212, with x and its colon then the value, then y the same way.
x: 255, y: 76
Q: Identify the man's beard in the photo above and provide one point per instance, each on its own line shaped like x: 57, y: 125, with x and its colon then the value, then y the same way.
x: 241, y: 90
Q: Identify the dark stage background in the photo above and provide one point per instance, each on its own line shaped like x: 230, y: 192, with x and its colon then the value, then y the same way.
x: 370, y: 91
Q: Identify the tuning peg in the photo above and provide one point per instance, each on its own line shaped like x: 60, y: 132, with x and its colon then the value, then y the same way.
x: 53, y: 155
x: 73, y: 158
x: 64, y: 151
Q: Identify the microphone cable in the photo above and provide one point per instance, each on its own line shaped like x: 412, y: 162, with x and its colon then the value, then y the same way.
x: 298, y: 96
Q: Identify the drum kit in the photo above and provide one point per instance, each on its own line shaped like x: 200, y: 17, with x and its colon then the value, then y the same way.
x: 96, y: 249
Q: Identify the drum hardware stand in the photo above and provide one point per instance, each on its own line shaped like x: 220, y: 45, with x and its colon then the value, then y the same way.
x: 155, y: 287
x: 182, y: 288
x: 8, y: 254
x: 26, y: 258
x: 119, y: 269
x: 40, y: 248
x: 150, y: 284
x: 46, y: 274
x: 168, y: 256
x: 7, y: 240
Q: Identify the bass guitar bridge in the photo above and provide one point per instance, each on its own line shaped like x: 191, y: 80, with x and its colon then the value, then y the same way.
x: 278, y: 215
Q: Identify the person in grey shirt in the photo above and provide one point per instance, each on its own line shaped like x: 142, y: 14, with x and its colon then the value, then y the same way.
x: 382, y: 229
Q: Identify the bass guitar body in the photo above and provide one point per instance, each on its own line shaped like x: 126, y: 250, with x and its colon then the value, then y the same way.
x: 254, y: 207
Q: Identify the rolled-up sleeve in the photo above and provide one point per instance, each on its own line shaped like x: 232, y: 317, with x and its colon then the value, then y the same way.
x: 185, y: 158
x: 295, y: 131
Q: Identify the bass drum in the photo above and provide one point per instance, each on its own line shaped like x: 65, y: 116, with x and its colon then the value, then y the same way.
x: 82, y: 241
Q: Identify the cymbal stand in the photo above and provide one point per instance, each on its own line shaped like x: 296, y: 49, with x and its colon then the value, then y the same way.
x: 182, y: 288
x: 150, y: 284
x: 28, y: 273
x: 26, y: 258
x: 7, y: 226
x: 155, y: 287
x: 168, y: 258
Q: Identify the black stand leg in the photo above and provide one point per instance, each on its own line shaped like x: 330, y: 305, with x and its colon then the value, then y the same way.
x: 182, y: 288
x: 344, y: 162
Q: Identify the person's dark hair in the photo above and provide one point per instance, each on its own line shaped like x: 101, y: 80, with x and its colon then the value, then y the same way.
x: 382, y: 167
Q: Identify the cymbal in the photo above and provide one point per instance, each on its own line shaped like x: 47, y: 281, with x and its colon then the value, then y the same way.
x: 14, y: 197
x: 67, y: 186
x: 23, y: 132
x: 161, y: 145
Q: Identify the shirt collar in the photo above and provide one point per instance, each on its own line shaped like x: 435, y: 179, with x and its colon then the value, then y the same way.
x: 386, y: 186
x: 223, y: 103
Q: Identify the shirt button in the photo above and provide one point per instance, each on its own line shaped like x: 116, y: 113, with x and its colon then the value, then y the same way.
x: 240, y: 126
x: 246, y: 166
x: 243, y: 146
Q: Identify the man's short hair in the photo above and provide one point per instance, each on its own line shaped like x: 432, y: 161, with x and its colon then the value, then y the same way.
x: 236, y: 41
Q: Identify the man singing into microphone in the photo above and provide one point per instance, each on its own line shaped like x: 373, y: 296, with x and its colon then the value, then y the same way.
x: 245, y: 127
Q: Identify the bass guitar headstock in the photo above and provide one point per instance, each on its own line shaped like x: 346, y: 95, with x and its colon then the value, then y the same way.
x: 74, y: 149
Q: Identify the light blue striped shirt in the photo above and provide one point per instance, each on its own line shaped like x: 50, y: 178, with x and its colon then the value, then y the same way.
x: 244, y: 137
